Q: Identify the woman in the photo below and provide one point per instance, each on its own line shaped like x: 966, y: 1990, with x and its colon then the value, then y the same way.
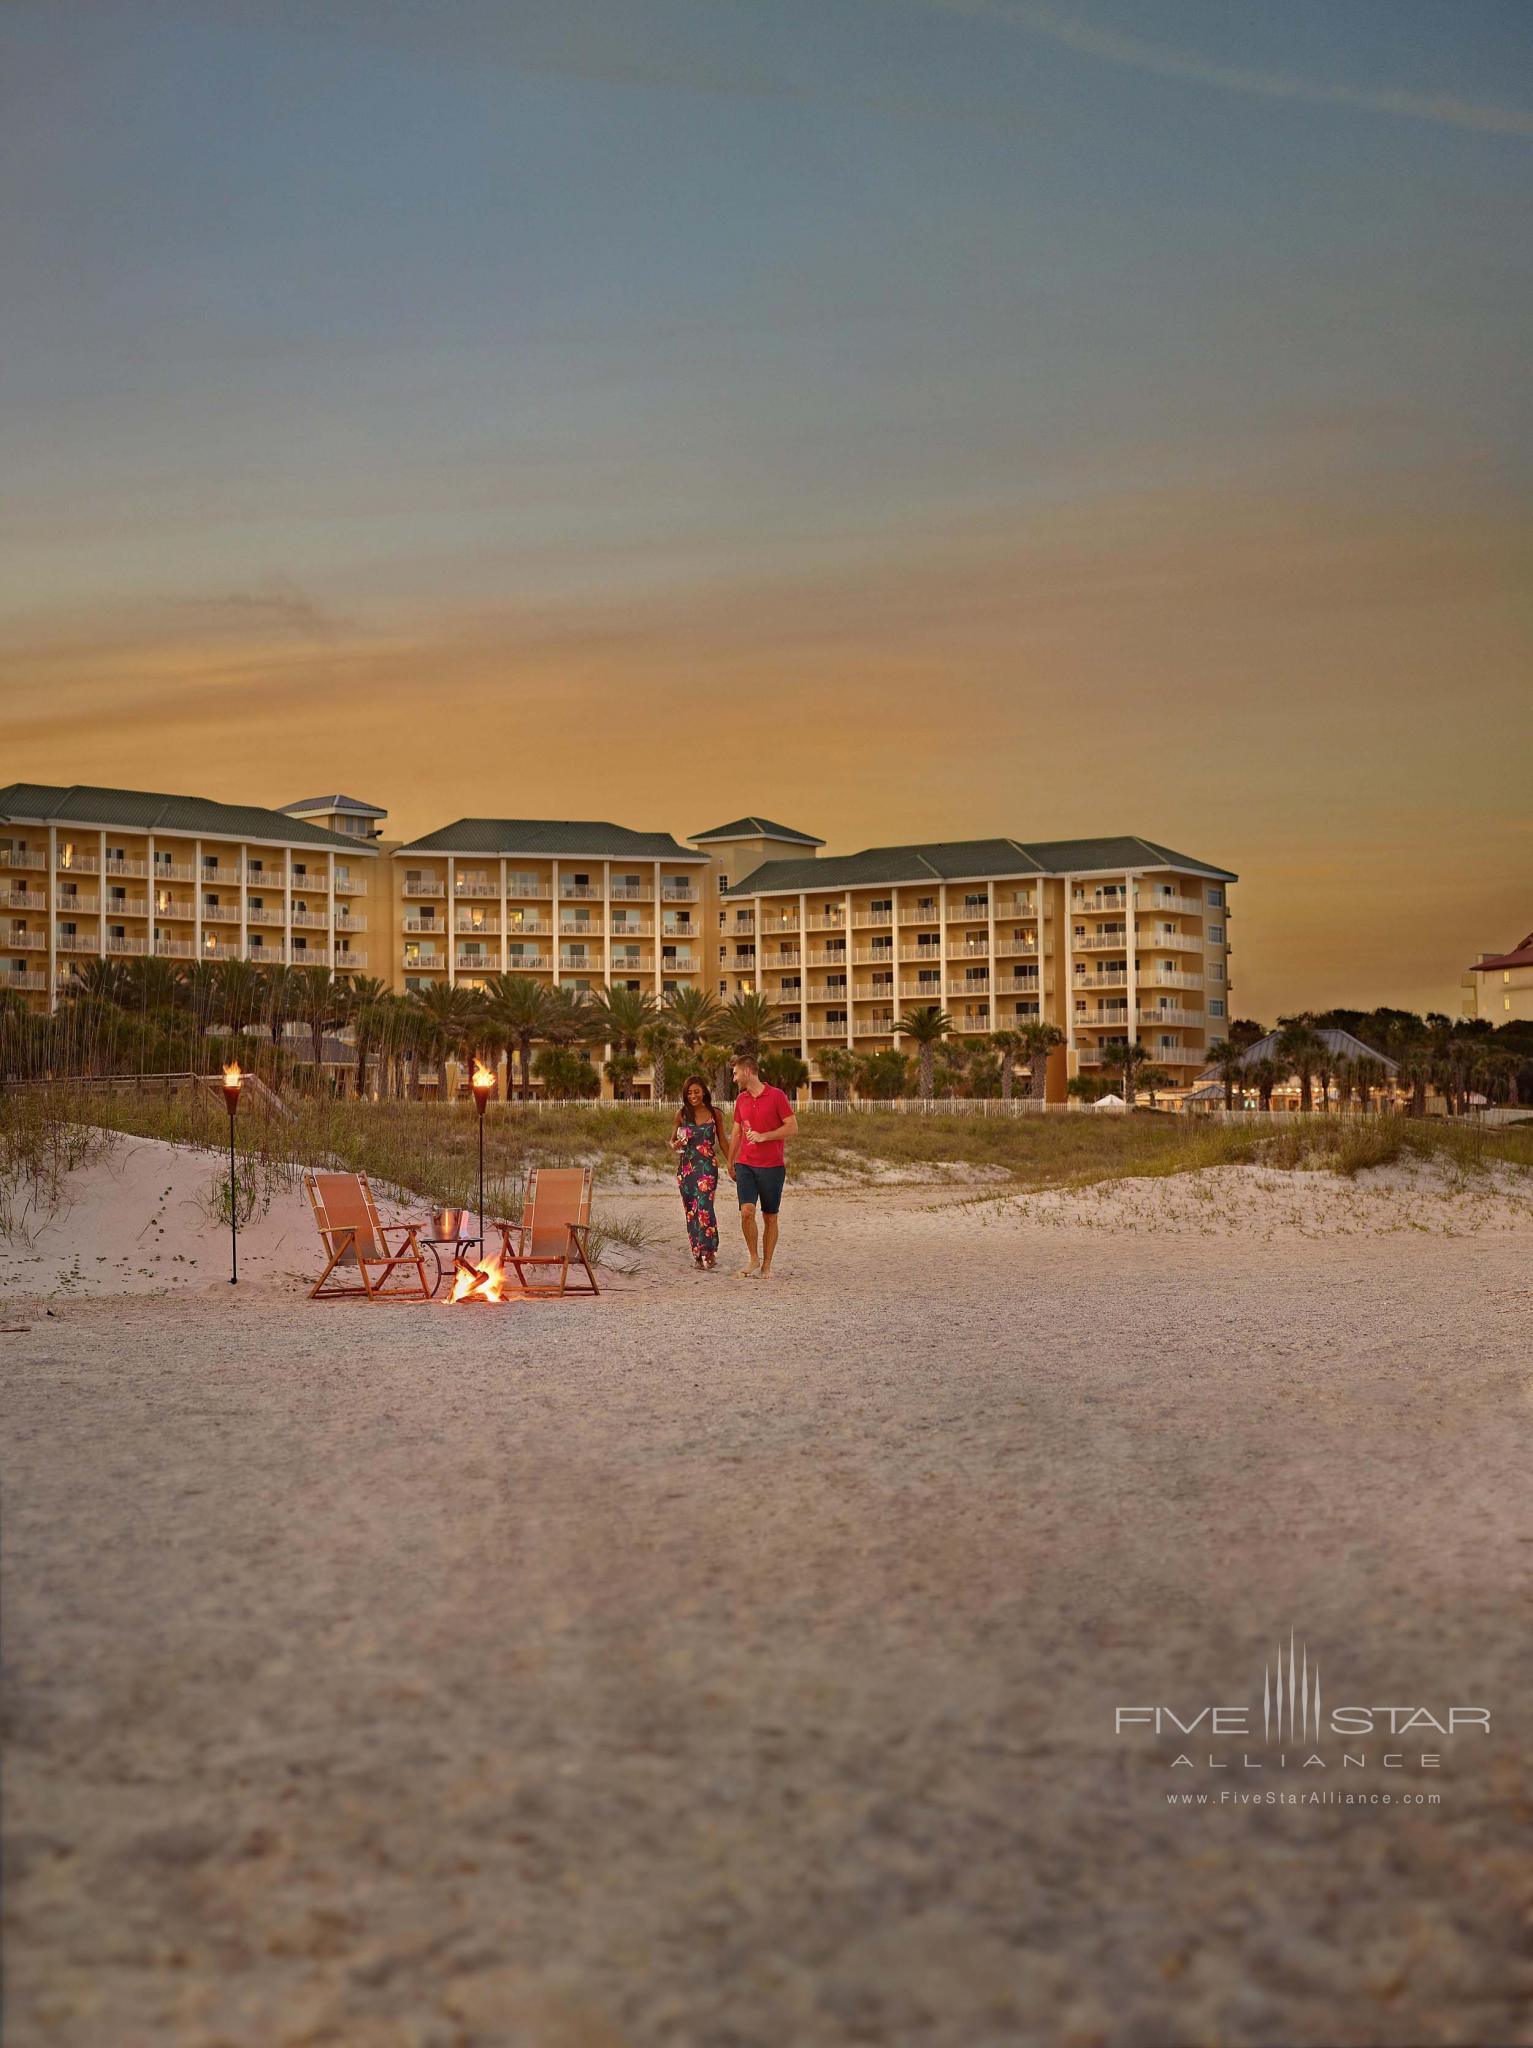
x: 698, y: 1140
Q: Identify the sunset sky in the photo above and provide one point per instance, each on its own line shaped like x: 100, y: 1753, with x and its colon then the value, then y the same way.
x: 901, y: 418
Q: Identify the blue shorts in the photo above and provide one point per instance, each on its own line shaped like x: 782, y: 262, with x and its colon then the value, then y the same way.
x: 761, y: 1184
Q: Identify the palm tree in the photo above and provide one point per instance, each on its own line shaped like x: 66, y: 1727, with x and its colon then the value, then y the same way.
x: 572, y: 1018
x: 1265, y: 1076
x: 713, y: 1058
x: 839, y: 1068
x: 278, y: 995
x: 621, y: 1015
x: 1039, y: 1040
x: 693, y: 1014
x: 319, y: 1001
x: 925, y: 1028
x: 1128, y: 1058
x: 1152, y: 1079
x: 658, y: 1041
x: 99, y: 980
x: 240, y: 990
x: 1009, y: 1045
x: 518, y: 1006
x: 1302, y: 1047
x: 452, y: 1017
x: 370, y: 1018
x: 750, y: 1021
x: 1226, y: 1060
x: 197, y: 994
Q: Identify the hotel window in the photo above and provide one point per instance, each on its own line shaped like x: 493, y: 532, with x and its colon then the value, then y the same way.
x: 1216, y: 896
x: 723, y: 883
x: 1216, y: 1006
x: 300, y: 944
x: 927, y: 979
x: 255, y: 867
x: 1216, y: 970
x: 790, y: 984
x: 976, y: 906
x: 299, y: 868
x: 1216, y: 935
x: 210, y: 863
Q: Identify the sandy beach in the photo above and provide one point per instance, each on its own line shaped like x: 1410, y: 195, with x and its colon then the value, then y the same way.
x: 737, y: 1664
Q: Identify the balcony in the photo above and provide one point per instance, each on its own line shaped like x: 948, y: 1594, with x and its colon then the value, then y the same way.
x: 174, y: 907
x: 129, y: 864
x: 431, y: 926
x: 1166, y: 978
x: 770, y: 962
x: 219, y: 949
x: 1022, y: 985
x: 28, y: 942
x: 1113, y: 939
x: 821, y: 1029
x: 527, y: 963
x: 483, y: 963
x: 263, y: 915
x: 639, y: 892
x: 825, y: 921
x: 921, y: 992
x: 1104, y: 902
x: 1169, y: 1017
x: 968, y: 949
x: 581, y: 928
x: 72, y: 860
x: 957, y: 986
x: 173, y: 949
x: 677, y: 892
x: 1111, y: 977
x: 869, y: 992
x: 24, y: 978
x: 778, y: 921
x: 220, y: 913
x: 311, y: 920
x: 477, y: 927
x: 587, y: 892
x: 823, y: 992
x: 1016, y: 949
x: 678, y: 963
x: 78, y: 942
x: 308, y: 956
x: 1167, y: 942
x: 874, y: 956
x: 1016, y: 906
x: 122, y: 946
x: 826, y: 959
x: 127, y: 906
x: 965, y: 913
x: 910, y: 914
x: 978, y: 1023
x: 174, y: 871
x: 528, y: 927
x: 348, y: 921
x: 15, y: 857
x: 922, y: 953
x: 465, y: 886
x: 1169, y: 906
x: 348, y: 959
x: 69, y: 905
x: 879, y: 1021
x: 422, y: 887
x: 633, y: 928
x: 872, y: 917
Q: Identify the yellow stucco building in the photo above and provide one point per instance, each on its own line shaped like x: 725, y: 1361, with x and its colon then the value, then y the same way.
x: 1109, y: 939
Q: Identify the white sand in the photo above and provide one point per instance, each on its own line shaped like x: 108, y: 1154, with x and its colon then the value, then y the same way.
x: 728, y: 1663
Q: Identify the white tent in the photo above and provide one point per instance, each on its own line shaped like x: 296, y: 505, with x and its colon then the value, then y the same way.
x: 1109, y: 1102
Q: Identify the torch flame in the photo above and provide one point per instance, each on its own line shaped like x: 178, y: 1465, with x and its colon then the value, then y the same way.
x: 486, y: 1282
x: 484, y: 1077
x: 232, y: 1074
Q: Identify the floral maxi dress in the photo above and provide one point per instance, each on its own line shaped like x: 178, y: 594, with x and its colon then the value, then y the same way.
x: 697, y: 1175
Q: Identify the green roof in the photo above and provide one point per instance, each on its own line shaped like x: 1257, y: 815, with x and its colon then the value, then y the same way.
x: 143, y: 810
x: 962, y: 860
x: 579, y: 838
x: 756, y: 828
x: 335, y: 803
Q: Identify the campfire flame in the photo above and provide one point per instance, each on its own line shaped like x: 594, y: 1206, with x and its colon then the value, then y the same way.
x: 483, y: 1282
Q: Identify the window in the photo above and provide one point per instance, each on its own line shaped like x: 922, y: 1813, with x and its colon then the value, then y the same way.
x: 790, y: 984
x: 723, y: 882
x: 257, y: 867
x: 1216, y: 970
x: 976, y: 906
x: 300, y: 868
x: 1215, y: 895
x: 342, y: 874
x: 1216, y: 1006
x: 1216, y: 935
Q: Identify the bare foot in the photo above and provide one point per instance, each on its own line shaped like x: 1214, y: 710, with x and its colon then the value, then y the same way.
x: 765, y: 1273
x: 748, y: 1272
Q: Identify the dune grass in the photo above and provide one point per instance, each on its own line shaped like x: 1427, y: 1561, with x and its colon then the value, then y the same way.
x: 426, y: 1151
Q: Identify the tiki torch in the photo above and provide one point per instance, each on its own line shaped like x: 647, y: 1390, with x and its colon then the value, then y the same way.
x: 483, y: 1085
x: 232, y: 1080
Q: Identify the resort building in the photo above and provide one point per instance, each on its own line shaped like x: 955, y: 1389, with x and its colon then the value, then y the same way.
x: 1499, y: 987
x: 118, y: 874
x: 1111, y: 940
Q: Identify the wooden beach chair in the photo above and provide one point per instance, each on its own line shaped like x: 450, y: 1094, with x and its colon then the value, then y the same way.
x: 355, y: 1238
x: 554, y: 1231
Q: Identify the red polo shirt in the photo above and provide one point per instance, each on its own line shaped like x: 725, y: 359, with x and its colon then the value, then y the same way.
x: 763, y: 1112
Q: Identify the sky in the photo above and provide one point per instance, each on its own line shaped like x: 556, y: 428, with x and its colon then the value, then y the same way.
x: 906, y: 419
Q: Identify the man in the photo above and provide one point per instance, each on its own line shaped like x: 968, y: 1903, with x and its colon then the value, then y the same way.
x: 757, y: 1163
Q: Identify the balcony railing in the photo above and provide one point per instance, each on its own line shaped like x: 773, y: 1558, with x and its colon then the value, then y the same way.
x: 925, y: 992
x: 676, y: 892
x: 633, y: 928
x: 778, y: 921
x: 771, y: 962
x: 869, y: 992
x: 579, y: 892
x: 825, y: 958
x: 1021, y: 985
x: 823, y: 992
x: 349, y: 958
x: 979, y: 1022
x: 27, y: 941
x: 581, y: 928
x: 873, y: 917
x: 311, y: 920
x: 220, y: 913
x: 638, y: 892
x: 1172, y: 906
x: 129, y: 864
x: 1113, y: 940
x: 73, y: 861
x: 464, y: 886
x: 931, y: 953
x: 1166, y: 978
x: 430, y: 925
x: 127, y: 906
x: 957, y: 986
x: 425, y: 888
x: 263, y: 915
x: 874, y: 955
x: 1112, y: 977
x: 16, y: 857
x: 486, y: 963
x: 909, y: 914
x: 78, y: 942
x: 24, y: 978
x: 528, y: 963
x: 1016, y: 906
x: 173, y: 871
x: 173, y: 949
x: 968, y: 949
x: 481, y: 927
x: 1099, y: 901
x: 529, y: 927
x: 1014, y: 949
x: 1167, y: 942
x: 69, y: 905
x: 1169, y: 1016
x: 120, y: 945
x: 349, y: 921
